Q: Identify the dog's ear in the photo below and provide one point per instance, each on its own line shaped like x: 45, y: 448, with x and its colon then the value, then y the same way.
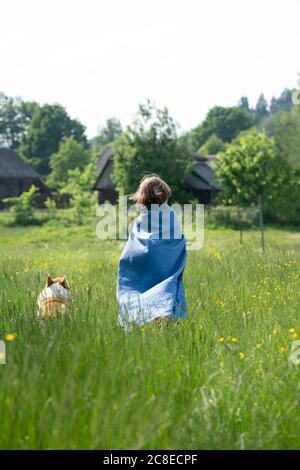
x: 65, y: 283
x: 49, y: 281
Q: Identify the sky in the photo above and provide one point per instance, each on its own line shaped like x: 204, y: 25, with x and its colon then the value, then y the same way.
x: 101, y: 58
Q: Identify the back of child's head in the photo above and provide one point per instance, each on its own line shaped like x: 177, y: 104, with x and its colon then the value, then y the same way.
x: 152, y: 190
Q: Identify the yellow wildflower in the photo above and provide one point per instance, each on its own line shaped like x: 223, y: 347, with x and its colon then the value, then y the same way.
x: 274, y: 331
x: 221, y: 339
x: 291, y: 330
x: 217, y: 255
x: 294, y: 336
x: 10, y: 336
x: 234, y: 340
x: 242, y: 355
x: 281, y: 349
x: 258, y: 346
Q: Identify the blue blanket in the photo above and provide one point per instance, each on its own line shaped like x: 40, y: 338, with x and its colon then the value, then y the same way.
x: 150, y: 278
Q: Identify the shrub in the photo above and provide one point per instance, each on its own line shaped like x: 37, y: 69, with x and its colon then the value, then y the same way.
x: 51, y: 207
x: 78, y: 186
x: 22, y: 207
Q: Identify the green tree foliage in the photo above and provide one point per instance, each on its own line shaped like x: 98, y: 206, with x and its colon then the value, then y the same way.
x: 79, y: 180
x: 264, y: 111
x: 283, y: 103
x: 253, y: 165
x: 22, y: 207
x: 15, y: 115
x: 49, y: 125
x: 212, y: 146
x: 51, y: 207
x: 226, y: 123
x: 244, y: 103
x: 106, y: 135
x: 151, y: 144
x: 285, y: 128
x: 261, y: 109
x: 79, y: 186
x: 71, y: 154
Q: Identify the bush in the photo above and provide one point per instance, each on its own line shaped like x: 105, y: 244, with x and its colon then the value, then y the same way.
x: 231, y: 217
x: 287, y: 212
x: 51, y: 207
x: 22, y: 207
x: 82, y: 201
x: 81, y: 204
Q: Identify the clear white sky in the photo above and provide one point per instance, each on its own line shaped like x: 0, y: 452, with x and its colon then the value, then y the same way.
x: 100, y: 58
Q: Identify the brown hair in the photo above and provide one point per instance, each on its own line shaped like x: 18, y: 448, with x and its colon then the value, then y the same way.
x: 152, y: 190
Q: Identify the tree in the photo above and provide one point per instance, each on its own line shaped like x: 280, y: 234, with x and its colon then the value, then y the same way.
x: 283, y: 103
x: 244, y: 103
x: 106, y: 135
x: 226, y: 123
x: 81, y: 181
x: 49, y: 125
x: 71, y: 154
x: 285, y: 127
x: 151, y: 144
x: 261, y: 109
x: 252, y: 167
x: 79, y: 185
x: 15, y: 115
x: 212, y: 146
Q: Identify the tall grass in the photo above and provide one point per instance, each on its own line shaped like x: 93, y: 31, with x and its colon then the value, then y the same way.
x: 219, y: 379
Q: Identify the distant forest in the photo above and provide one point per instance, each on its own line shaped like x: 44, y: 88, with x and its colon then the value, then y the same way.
x: 37, y: 131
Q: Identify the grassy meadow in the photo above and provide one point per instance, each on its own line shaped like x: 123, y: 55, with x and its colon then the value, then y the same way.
x: 220, y: 379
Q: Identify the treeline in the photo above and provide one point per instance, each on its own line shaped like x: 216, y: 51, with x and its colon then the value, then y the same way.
x: 38, y: 131
x: 56, y: 145
x: 222, y: 124
x: 258, y: 154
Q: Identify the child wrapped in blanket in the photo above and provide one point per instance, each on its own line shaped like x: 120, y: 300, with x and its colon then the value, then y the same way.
x: 150, y: 277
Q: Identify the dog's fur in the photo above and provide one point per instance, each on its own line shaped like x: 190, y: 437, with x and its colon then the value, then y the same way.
x: 55, y: 297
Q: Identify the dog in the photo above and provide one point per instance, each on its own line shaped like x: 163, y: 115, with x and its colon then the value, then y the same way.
x: 55, y: 297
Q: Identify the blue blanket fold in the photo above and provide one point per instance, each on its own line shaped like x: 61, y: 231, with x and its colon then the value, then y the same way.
x: 150, y: 278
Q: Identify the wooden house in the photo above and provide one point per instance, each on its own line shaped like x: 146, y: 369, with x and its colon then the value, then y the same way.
x: 16, y: 176
x: 200, y: 182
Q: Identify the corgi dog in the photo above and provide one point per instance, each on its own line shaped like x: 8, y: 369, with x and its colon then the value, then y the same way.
x: 55, y: 297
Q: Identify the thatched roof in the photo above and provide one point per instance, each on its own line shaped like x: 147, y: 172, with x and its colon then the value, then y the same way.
x: 12, y: 166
